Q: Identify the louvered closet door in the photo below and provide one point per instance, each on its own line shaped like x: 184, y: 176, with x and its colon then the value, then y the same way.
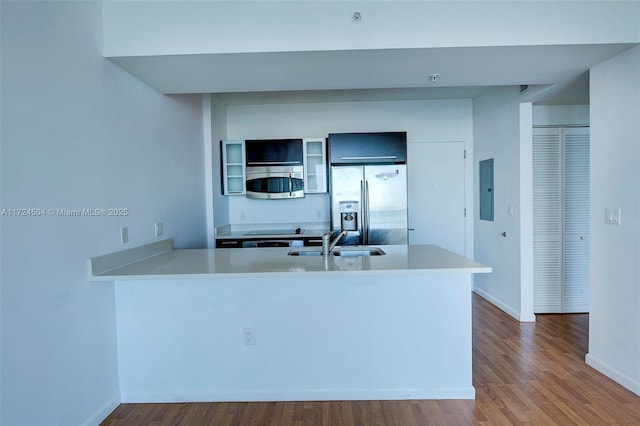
x: 547, y: 220
x: 561, y: 220
x: 576, y: 220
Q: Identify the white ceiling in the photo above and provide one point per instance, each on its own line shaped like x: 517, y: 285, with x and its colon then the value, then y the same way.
x: 559, y: 73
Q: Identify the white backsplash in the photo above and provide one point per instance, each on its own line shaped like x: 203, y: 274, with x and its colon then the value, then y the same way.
x: 311, y: 208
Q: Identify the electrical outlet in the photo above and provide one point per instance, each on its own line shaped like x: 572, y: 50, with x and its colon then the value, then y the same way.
x: 243, y: 216
x: 124, y: 234
x: 318, y: 214
x: 613, y: 216
x: 159, y: 229
x: 249, y: 336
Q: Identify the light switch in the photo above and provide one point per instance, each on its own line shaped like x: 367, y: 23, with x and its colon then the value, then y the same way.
x: 124, y: 235
x: 613, y: 216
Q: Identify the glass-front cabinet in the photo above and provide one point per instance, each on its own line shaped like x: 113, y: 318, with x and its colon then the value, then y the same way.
x: 233, y: 168
x: 315, y: 165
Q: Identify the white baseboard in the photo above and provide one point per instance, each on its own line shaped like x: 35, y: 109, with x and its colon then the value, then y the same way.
x: 498, y: 303
x: 301, y: 395
x: 102, y: 412
x: 614, y: 374
x: 528, y: 318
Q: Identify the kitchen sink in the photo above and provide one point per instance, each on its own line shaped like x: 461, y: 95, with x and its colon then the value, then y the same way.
x: 358, y: 251
x: 341, y: 251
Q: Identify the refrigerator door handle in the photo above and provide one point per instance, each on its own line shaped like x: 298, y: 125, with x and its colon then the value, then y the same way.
x: 366, y: 212
x: 363, y: 220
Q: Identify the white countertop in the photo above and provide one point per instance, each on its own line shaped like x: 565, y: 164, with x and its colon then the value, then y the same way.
x: 256, y: 262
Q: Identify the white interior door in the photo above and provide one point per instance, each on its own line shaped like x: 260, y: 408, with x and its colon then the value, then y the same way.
x: 561, y: 219
x: 436, y: 176
x: 547, y: 220
x: 576, y: 220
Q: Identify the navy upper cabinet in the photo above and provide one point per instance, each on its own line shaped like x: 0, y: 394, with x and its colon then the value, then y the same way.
x: 368, y: 148
x: 274, y: 152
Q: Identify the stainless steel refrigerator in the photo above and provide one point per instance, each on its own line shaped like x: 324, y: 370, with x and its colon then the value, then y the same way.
x: 370, y: 202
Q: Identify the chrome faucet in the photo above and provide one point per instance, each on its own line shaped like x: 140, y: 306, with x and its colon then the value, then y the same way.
x: 328, y: 245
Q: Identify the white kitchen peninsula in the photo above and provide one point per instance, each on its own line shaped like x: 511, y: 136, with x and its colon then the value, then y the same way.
x: 396, y: 326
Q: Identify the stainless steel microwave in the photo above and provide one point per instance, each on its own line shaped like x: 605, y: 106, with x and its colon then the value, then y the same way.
x: 274, y: 168
x: 275, y: 182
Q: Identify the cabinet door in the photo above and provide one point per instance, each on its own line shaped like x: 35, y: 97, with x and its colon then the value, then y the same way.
x: 367, y: 148
x: 315, y: 165
x: 233, y: 171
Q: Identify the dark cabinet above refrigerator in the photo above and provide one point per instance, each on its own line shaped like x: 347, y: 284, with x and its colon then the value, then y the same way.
x: 368, y: 148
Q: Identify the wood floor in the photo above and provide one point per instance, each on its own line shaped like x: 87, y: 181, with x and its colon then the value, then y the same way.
x: 524, y: 373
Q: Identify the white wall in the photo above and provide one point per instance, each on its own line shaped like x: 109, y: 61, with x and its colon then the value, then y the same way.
x: 496, y: 133
x: 215, y: 118
x: 193, y: 27
x: 614, y: 321
x: 560, y: 115
x: 423, y: 120
x: 526, y: 211
x: 78, y: 132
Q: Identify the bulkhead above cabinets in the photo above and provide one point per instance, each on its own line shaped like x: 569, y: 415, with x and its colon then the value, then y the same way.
x: 274, y: 168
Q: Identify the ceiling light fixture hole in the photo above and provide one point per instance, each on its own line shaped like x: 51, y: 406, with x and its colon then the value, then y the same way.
x: 356, y: 17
